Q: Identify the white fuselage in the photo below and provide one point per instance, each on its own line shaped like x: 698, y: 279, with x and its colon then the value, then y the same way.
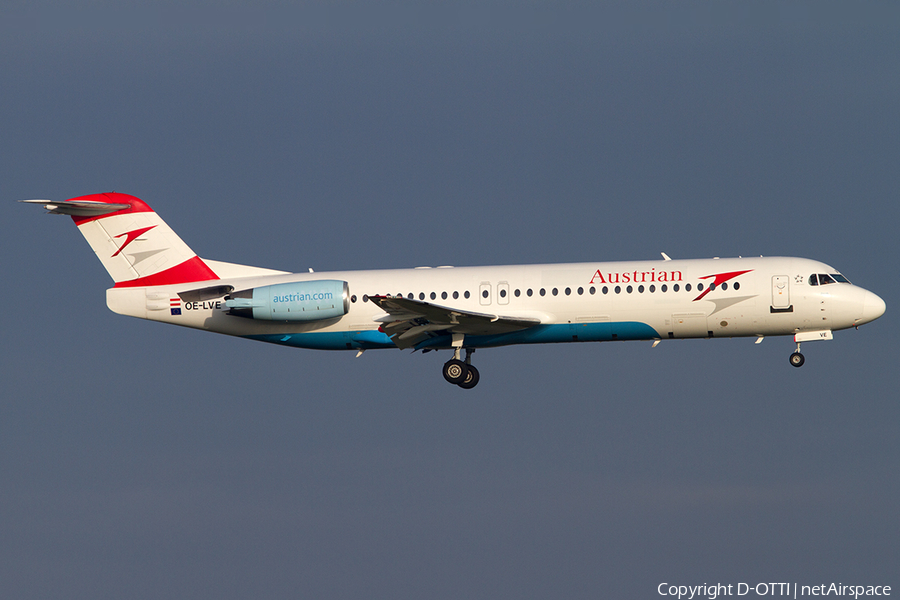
x: 158, y: 277
x: 573, y: 302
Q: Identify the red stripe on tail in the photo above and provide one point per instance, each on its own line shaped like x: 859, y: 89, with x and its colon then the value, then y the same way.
x: 190, y: 270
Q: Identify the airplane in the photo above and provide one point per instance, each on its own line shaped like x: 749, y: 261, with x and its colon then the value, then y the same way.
x: 158, y: 277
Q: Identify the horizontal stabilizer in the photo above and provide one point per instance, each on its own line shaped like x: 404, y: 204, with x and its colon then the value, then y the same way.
x: 78, y: 208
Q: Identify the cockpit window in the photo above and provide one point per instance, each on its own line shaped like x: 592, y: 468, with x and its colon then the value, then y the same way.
x: 823, y: 279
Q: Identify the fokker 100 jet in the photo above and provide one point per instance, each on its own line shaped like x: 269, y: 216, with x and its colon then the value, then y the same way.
x: 158, y: 277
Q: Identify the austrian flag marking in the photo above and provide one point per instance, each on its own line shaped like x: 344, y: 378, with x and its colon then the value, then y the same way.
x: 175, y: 306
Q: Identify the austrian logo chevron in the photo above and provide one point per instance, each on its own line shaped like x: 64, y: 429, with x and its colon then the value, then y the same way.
x: 140, y: 249
x: 720, y: 278
x: 130, y: 236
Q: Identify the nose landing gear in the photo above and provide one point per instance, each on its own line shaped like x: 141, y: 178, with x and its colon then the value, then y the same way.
x: 796, y: 358
x: 463, y: 374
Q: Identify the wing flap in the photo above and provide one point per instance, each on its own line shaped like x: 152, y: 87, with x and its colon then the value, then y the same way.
x: 409, y: 322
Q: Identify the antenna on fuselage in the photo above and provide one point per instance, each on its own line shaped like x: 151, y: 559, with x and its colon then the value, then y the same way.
x: 665, y: 256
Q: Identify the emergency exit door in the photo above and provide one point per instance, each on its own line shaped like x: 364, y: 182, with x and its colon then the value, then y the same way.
x: 484, y: 293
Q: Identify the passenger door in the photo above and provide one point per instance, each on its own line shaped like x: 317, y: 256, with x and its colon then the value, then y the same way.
x: 781, y: 293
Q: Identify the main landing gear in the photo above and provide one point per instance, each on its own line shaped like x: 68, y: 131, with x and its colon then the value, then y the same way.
x: 463, y: 374
x: 796, y: 358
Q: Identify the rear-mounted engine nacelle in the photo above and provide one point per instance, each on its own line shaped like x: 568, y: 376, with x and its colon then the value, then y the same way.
x: 299, y: 301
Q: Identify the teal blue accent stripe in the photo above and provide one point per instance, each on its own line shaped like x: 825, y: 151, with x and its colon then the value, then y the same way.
x: 541, y: 334
x: 555, y: 334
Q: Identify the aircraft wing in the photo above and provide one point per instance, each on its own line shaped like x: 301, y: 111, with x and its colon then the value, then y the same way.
x: 409, y: 322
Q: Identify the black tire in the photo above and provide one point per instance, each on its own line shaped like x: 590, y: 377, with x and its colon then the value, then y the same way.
x: 797, y: 359
x: 471, y: 380
x: 455, y: 371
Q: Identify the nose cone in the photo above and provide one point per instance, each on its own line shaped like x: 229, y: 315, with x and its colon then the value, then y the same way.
x: 873, y: 307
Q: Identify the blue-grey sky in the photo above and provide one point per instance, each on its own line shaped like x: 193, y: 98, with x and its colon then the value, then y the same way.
x: 144, y: 461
